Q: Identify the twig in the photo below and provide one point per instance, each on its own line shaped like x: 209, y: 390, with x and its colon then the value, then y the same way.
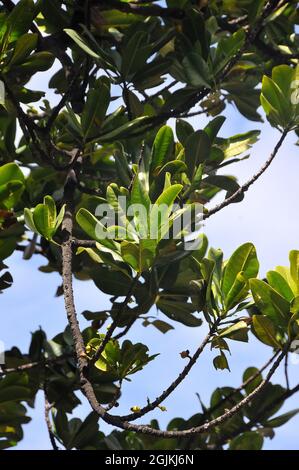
x: 214, y: 422
x: 114, y: 325
x: 48, y: 407
x: 31, y: 365
x: 126, y: 330
x: 252, y: 180
x: 286, y: 371
x: 113, y: 402
x: 64, y: 99
x: 154, y: 10
x: 84, y: 243
x: 151, y: 406
x: 270, y: 406
x: 243, y: 385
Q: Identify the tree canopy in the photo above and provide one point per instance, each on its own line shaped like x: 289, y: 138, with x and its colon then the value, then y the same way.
x: 113, y: 183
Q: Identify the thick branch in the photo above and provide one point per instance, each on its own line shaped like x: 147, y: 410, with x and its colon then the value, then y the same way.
x: 86, y: 386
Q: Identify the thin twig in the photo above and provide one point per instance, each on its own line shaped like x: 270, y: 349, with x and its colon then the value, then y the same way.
x: 126, y: 329
x: 214, y: 422
x: 114, y: 325
x: 252, y: 180
x: 48, y: 407
x: 73, y: 80
x: 84, y: 243
x: 243, y: 385
x: 151, y: 406
x: 286, y: 371
x: 32, y: 365
x: 154, y: 10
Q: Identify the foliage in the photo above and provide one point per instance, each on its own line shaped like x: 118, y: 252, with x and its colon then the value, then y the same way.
x: 98, y: 184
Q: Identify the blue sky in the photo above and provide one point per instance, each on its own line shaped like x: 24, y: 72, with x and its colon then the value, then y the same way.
x: 267, y: 217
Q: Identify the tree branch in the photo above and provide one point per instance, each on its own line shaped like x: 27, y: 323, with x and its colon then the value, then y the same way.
x: 151, y: 406
x: 114, y: 325
x: 243, y: 385
x: 252, y: 180
x: 82, y: 359
x: 32, y: 365
x: 48, y: 407
x: 153, y: 10
x: 73, y: 80
x: 214, y: 422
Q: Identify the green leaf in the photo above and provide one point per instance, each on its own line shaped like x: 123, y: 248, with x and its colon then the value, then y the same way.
x: 270, y: 302
x: 162, y: 147
x: 294, y: 267
x: 139, y: 194
x: 10, y: 171
x: 282, y: 419
x: 44, y: 218
x: 135, y: 54
x: 238, y: 331
x: 279, y: 97
x: 214, y: 127
x: 162, y: 326
x: 250, y: 440
x: 20, y: 19
x: 92, y: 226
x: 278, y: 282
x: 237, y: 292
x: 178, y: 311
x: 28, y: 216
x: 38, y: 62
x: 238, y: 144
x: 265, y: 330
x: 161, y: 209
x: 123, y: 131
x: 11, y: 185
x: 7, y: 246
x: 249, y: 372
x: 110, y: 281
x: 243, y: 260
x: 196, y: 70
x: 170, y: 169
x: 227, y: 48
x: 95, y: 109
x: 131, y: 254
x: 43, y: 221
x: 81, y: 43
x: 197, y: 150
x: 122, y: 166
x: 133, y: 358
x: 24, y: 46
x: 86, y: 432
x: 60, y: 217
x: 183, y: 130
x: 220, y: 362
x: 228, y: 183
